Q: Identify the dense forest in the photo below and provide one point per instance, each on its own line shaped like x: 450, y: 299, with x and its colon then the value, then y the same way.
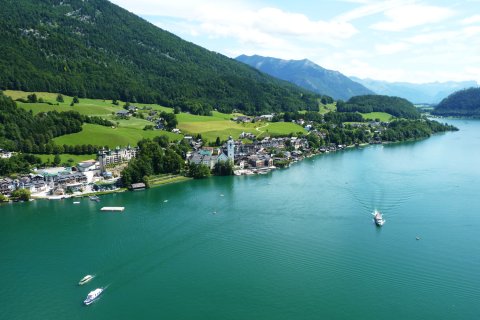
x: 395, y: 106
x: 97, y: 49
x: 463, y: 103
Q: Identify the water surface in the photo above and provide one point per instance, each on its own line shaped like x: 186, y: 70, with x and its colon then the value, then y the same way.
x: 295, y: 244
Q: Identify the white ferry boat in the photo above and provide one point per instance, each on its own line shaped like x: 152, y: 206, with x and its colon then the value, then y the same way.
x: 378, y: 218
x: 92, y: 296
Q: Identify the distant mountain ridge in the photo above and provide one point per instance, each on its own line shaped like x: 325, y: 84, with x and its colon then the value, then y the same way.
x: 430, y: 93
x: 463, y: 103
x: 308, y: 75
x: 95, y: 48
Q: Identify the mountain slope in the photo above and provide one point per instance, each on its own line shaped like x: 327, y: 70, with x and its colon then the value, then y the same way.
x: 94, y: 48
x: 417, y: 93
x: 459, y: 104
x: 308, y: 75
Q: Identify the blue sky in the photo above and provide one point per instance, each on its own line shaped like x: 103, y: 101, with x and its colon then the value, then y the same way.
x: 394, y: 40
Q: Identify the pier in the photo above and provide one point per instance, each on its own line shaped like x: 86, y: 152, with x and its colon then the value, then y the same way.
x: 113, y: 209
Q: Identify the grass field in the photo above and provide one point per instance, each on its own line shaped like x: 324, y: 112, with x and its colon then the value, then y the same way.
x: 324, y: 108
x: 385, y: 117
x: 112, y: 137
x: 131, y: 131
x: 65, y: 157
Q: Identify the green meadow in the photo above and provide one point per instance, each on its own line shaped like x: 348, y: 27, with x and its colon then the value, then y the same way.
x: 112, y: 137
x: 383, y: 116
x: 130, y: 131
x: 65, y: 157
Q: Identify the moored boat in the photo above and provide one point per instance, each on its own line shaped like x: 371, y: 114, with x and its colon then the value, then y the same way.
x: 94, y: 198
x: 378, y: 218
x: 92, y: 296
x: 85, y: 279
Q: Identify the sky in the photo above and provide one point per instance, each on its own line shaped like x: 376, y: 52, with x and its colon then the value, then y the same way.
x: 415, y: 41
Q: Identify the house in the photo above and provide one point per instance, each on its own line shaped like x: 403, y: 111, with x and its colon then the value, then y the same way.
x: 138, y: 186
x: 122, y: 114
x: 87, y: 165
x: 4, y: 154
x: 242, y: 119
x: 132, y: 109
x: 175, y: 130
x: 6, y: 186
x: 208, y: 159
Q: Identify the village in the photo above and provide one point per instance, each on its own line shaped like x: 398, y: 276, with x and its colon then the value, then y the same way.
x: 248, y: 155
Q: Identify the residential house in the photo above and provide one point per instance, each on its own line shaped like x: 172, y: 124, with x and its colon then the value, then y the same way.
x: 123, y: 114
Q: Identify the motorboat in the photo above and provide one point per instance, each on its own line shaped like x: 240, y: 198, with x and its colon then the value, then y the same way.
x: 94, y: 198
x: 85, y: 279
x: 93, y: 295
x: 378, y: 218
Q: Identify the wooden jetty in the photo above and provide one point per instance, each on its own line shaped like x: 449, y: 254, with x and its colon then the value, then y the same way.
x: 113, y: 209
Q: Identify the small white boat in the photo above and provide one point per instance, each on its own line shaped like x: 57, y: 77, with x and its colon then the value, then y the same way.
x: 378, y: 218
x: 94, y: 198
x: 92, y: 296
x: 76, y: 202
x: 85, y: 279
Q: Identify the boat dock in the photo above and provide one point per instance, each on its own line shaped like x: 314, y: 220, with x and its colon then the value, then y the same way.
x: 113, y: 208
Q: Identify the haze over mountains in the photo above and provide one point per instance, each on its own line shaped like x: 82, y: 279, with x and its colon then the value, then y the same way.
x: 308, y: 75
x: 430, y: 93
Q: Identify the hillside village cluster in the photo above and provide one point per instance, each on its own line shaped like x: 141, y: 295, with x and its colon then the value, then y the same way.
x: 102, y: 174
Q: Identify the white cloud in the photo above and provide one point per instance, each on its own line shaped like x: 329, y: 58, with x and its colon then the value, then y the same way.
x: 391, y: 48
x: 471, y: 20
x: 408, y: 16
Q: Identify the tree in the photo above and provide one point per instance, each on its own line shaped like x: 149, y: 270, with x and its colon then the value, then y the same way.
x: 3, y: 198
x: 21, y: 194
x: 198, y: 171
x: 218, y: 142
x: 75, y: 99
x: 56, y: 160
x: 32, y: 98
x: 60, y: 98
x: 223, y: 168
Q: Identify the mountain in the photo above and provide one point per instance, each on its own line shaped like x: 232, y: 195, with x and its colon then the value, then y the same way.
x: 308, y: 75
x: 429, y: 93
x: 395, y: 106
x: 460, y: 104
x: 94, y: 48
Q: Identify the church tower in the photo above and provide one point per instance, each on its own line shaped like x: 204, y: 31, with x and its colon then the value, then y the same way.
x: 231, y: 149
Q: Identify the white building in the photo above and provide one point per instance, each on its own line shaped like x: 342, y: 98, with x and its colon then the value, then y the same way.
x: 119, y: 155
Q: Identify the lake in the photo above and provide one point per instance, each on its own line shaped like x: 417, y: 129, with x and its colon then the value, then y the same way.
x: 297, y: 243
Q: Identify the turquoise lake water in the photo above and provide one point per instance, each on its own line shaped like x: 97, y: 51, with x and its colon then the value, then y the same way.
x: 294, y: 244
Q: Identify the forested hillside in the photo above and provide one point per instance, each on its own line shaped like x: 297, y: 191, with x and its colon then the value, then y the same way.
x: 460, y: 104
x: 395, y: 106
x: 94, y: 48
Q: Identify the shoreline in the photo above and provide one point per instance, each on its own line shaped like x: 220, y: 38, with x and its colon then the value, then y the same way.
x: 254, y: 171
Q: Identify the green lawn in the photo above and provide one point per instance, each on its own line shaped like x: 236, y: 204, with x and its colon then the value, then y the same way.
x: 131, y: 131
x: 324, y: 108
x: 385, y: 117
x: 65, y: 157
x: 103, y: 136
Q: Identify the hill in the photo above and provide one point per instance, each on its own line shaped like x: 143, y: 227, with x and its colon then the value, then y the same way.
x: 429, y: 93
x: 395, y: 106
x: 464, y: 103
x: 308, y: 75
x: 96, y: 49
